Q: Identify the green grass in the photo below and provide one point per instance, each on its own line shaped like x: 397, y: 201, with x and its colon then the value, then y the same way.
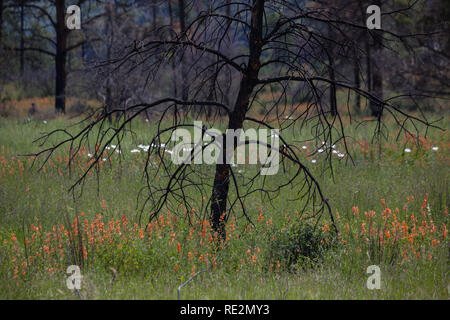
x: 152, y: 267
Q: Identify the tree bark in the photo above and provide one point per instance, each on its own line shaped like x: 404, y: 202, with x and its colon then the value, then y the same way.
x: 374, y: 73
x: 357, y: 80
x: 60, y: 58
x: 110, y: 14
x: 377, y: 73
x: 228, y: 51
x: 367, y: 49
x: 1, y: 25
x: 22, y: 38
x: 248, y: 82
x: 154, y: 13
x: 184, y: 80
x: 333, y: 102
x: 174, y: 72
x: 331, y: 72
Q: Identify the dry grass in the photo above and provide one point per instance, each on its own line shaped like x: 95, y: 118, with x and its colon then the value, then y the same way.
x: 19, y: 108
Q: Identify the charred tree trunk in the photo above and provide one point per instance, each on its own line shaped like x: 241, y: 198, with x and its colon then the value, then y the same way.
x: 22, y: 38
x: 377, y: 74
x: 237, y: 116
x: 333, y: 102
x: 211, y: 96
x: 331, y: 72
x: 174, y: 72
x: 367, y: 49
x: 108, y: 99
x: 357, y: 80
x: 1, y: 25
x: 374, y: 72
x: 155, y: 14
x: 60, y: 58
x: 110, y: 13
x: 368, y: 65
x: 184, y: 80
x: 228, y: 50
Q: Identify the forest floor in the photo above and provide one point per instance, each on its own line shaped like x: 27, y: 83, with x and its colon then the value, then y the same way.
x: 391, y: 209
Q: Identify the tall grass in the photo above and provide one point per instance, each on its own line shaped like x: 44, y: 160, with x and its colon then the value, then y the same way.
x: 391, y: 210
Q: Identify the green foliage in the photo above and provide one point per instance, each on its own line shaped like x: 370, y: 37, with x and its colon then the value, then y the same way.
x: 302, y: 245
x: 310, y: 267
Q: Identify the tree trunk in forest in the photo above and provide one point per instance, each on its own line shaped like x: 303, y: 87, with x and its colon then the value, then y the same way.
x: 368, y: 65
x: 22, y: 38
x: 60, y: 58
x: 374, y: 73
x: 1, y: 25
x: 377, y: 73
x: 184, y: 80
x: 356, y: 71
x: 367, y: 49
x: 174, y: 71
x: 331, y: 73
x: 237, y: 116
x: 110, y: 13
x: 228, y: 51
x: 333, y: 102
x: 155, y: 14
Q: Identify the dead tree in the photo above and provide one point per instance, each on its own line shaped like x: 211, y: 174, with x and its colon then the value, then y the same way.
x: 52, y: 15
x: 278, y: 48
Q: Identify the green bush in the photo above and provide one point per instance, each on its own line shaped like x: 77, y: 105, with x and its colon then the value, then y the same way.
x: 301, y: 246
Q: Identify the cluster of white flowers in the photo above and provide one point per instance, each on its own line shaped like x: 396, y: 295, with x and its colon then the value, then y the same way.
x: 147, y: 147
x: 408, y: 150
x: 323, y: 147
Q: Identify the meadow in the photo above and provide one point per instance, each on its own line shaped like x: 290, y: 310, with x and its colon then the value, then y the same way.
x: 390, y: 205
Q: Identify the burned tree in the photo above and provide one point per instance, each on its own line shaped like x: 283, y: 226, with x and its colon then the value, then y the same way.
x: 278, y: 49
x: 52, y: 16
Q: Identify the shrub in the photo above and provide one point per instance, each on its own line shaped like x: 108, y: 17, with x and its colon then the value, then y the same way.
x: 302, y: 245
